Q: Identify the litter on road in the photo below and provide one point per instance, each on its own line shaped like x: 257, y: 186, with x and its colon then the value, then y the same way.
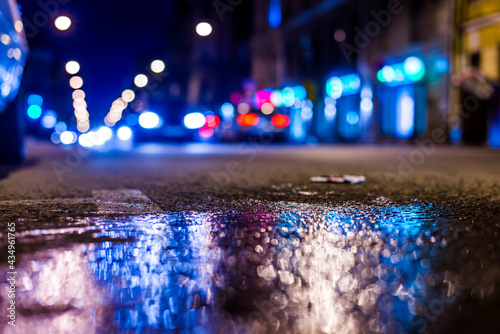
x: 346, y: 178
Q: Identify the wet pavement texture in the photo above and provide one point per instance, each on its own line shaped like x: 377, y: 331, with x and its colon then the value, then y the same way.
x: 254, y: 249
x: 281, y: 268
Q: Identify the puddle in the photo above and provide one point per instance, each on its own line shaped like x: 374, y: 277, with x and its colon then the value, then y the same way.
x: 295, y: 269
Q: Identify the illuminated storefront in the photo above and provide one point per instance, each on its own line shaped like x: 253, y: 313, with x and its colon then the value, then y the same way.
x: 342, y: 106
x: 402, y: 98
x: 477, y: 65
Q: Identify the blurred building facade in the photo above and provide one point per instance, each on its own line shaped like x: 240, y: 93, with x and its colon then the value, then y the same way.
x: 217, y: 62
x: 476, y: 92
x: 390, y: 59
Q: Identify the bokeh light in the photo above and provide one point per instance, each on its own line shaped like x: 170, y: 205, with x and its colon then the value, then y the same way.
x: 79, y: 104
x: 128, y: 95
x: 34, y: 111
x: 388, y: 73
x: 288, y: 96
x: 49, y: 119
x: 62, y: 23
x: 413, y: 65
x: 78, y: 95
x: 72, y: 67
x: 149, y: 120
x: 227, y: 110
x: 243, y: 108
x: 124, y: 133
x: 35, y: 99
x: 5, y: 39
x: 60, y: 127
x: 248, y: 119
x: 213, y: 121
x: 141, y: 80
x: 68, y: 137
x: 441, y: 64
x: 352, y: 117
x: 206, y: 132
x: 306, y: 113
x: 76, y: 82
x: 55, y: 137
x: 157, y: 66
x: 235, y: 98
x: 194, y: 120
x: 366, y: 104
x: 132, y: 119
x: 276, y: 99
x: 85, y: 140
x: 267, y: 108
x: 19, y: 26
x: 105, y: 132
x: 203, y: 29
x: 280, y: 121
x: 299, y: 92
x: 339, y: 35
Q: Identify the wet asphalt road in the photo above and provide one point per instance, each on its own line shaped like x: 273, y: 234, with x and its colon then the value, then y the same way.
x: 235, y: 239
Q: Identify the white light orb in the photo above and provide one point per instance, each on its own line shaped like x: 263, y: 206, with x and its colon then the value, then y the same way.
x: 141, y: 80
x: 157, y: 66
x: 124, y: 133
x: 72, y: 67
x: 203, y: 29
x: 62, y: 23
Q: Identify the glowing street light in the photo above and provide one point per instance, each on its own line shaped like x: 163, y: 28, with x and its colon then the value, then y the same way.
x: 124, y: 133
x: 72, y: 67
x: 62, y: 23
x: 157, y: 66
x: 76, y: 82
x: 128, y: 95
x: 141, y: 80
x: 203, y: 29
x: 149, y: 120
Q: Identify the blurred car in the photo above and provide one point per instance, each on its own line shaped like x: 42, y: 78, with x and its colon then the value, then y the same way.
x: 13, y: 52
x: 262, y: 129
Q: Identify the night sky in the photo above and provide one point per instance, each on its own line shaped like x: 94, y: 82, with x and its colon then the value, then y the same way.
x: 112, y: 40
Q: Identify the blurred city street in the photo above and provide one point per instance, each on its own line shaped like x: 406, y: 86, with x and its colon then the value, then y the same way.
x: 237, y: 166
x: 176, y: 175
x: 234, y: 238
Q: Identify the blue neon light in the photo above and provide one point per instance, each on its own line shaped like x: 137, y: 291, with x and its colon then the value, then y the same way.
x: 441, y: 65
x: 299, y: 92
x: 405, y: 116
x: 352, y: 117
x: 274, y: 15
x: 410, y: 71
x: 345, y: 85
x: 455, y: 134
x: 34, y: 111
x: 49, y: 119
x: 35, y: 99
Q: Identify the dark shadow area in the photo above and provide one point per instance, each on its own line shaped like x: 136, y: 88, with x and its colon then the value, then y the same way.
x: 6, y: 169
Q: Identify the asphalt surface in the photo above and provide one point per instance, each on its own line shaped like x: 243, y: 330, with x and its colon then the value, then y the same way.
x: 235, y: 238
x: 198, y: 175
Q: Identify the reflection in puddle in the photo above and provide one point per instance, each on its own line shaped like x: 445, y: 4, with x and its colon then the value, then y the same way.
x: 299, y: 268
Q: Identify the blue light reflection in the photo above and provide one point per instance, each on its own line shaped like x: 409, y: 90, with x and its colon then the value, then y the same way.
x: 201, y: 272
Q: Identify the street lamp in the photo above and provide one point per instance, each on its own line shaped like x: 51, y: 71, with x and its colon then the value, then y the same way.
x: 62, y: 23
x: 203, y: 29
x: 140, y: 80
x: 76, y: 82
x: 128, y: 95
x: 157, y: 66
x: 72, y: 67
